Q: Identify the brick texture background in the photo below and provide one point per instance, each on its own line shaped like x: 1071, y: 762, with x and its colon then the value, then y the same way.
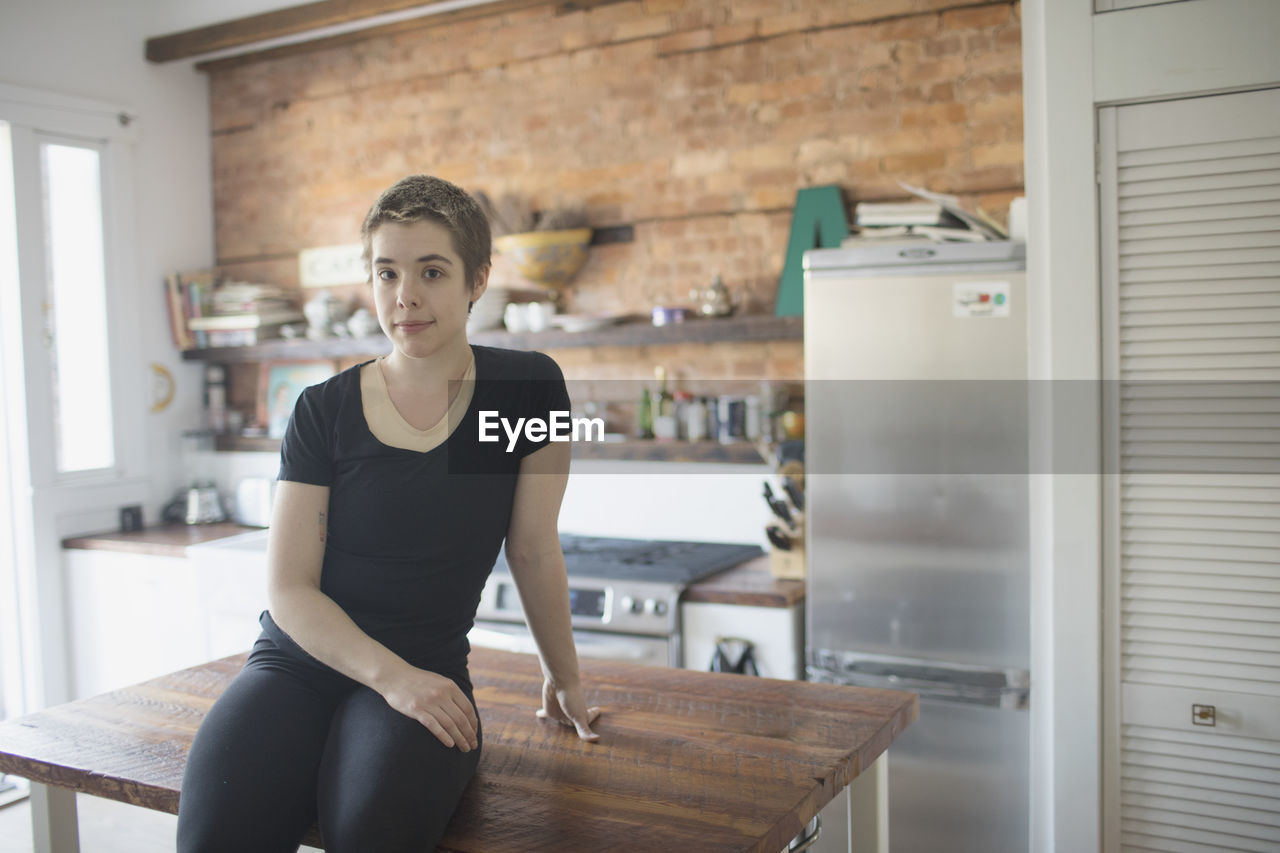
x: 694, y: 121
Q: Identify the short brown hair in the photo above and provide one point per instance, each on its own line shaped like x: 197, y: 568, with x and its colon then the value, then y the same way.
x: 420, y: 197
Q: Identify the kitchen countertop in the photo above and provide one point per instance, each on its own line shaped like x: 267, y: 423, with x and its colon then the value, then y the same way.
x: 749, y: 583
x: 169, y: 540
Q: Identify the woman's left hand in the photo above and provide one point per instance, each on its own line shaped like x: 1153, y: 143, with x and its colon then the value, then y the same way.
x: 566, y: 705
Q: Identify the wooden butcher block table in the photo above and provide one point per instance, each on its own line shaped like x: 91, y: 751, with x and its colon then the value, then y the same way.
x: 686, y: 761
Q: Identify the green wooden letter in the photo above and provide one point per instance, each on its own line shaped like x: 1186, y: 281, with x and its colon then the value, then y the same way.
x: 818, y: 222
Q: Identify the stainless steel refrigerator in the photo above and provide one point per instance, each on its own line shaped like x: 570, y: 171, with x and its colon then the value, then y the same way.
x: 917, y: 523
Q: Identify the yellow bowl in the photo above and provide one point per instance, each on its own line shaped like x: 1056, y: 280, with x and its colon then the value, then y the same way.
x: 549, y: 258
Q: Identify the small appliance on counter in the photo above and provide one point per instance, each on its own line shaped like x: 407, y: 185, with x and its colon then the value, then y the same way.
x: 199, y: 504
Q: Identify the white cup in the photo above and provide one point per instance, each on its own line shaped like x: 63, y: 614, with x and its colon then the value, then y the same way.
x: 515, y: 318
x: 538, y: 315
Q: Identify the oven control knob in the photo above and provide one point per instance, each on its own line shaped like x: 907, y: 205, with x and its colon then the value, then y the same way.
x: 632, y: 605
x: 650, y: 605
x: 660, y: 608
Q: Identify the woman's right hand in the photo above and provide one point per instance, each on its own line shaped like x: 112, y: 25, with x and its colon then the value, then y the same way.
x: 437, y: 703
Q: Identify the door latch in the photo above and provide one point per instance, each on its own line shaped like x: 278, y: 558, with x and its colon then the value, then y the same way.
x: 1204, y: 715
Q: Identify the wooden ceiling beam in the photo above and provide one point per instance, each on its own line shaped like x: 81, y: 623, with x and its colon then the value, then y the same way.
x: 282, y: 23
x: 498, y: 7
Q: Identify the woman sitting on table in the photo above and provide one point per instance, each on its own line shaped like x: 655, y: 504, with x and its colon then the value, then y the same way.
x: 355, y: 708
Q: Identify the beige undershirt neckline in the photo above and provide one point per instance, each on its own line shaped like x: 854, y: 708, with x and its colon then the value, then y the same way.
x: 390, y: 428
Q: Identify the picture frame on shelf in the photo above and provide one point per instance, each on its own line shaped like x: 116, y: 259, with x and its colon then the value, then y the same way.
x: 280, y: 383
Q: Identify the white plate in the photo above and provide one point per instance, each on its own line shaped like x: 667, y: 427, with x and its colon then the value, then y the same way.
x: 583, y: 322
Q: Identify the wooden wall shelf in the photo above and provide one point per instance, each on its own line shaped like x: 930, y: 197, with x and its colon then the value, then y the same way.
x: 293, y: 350
x: 741, y: 453
x: 251, y: 444
x: 701, y: 330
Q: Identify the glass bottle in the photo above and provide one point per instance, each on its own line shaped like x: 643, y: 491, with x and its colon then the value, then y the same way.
x: 666, y: 402
x: 664, y: 409
x: 695, y: 420
x: 644, y: 415
x: 215, y: 387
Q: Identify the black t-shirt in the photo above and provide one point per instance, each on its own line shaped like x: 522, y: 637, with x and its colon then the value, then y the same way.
x: 412, y: 536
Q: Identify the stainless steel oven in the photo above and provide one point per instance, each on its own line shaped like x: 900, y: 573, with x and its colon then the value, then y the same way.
x: 624, y: 597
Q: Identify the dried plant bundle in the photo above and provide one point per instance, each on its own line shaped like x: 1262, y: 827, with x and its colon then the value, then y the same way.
x: 562, y: 219
x: 510, y: 213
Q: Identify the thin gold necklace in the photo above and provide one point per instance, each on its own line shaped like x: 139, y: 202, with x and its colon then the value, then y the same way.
x: 453, y: 393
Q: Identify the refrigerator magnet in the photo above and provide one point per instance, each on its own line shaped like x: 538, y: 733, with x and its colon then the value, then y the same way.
x: 980, y: 299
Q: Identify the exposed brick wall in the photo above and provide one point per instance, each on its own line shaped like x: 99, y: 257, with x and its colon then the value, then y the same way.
x: 695, y: 121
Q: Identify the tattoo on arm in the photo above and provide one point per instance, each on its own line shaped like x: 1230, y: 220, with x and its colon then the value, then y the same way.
x: 322, y: 526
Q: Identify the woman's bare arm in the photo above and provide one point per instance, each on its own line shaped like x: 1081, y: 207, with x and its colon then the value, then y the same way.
x: 295, y: 556
x: 537, y: 567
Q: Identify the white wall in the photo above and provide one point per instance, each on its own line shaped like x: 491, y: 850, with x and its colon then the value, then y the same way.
x: 641, y: 500
x: 698, y: 503
x: 171, y: 16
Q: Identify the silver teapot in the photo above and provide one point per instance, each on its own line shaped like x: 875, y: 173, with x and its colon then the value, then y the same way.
x: 714, y: 300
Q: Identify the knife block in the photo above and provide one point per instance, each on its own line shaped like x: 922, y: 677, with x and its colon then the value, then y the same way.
x: 789, y: 565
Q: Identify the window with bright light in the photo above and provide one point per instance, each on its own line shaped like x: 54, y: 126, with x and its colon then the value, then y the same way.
x: 76, y: 306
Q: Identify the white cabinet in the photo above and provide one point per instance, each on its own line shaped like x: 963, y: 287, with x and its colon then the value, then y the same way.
x: 136, y: 616
x: 777, y: 634
x: 232, y: 597
x: 231, y: 575
x: 130, y: 617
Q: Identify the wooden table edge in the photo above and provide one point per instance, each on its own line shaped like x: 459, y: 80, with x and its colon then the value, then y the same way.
x: 837, y: 776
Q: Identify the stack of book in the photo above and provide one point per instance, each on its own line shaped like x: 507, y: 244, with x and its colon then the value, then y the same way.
x: 207, y: 310
x: 932, y: 217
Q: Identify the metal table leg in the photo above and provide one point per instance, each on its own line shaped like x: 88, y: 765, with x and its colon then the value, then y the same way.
x: 869, y: 808
x: 807, y: 839
x: 53, y: 820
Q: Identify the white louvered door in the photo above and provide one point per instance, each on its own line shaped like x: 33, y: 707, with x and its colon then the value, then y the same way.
x: 1190, y: 213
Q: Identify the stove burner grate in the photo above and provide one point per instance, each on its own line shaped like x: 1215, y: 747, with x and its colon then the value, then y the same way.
x: 674, y: 562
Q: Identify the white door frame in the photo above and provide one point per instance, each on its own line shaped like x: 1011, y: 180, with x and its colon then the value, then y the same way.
x: 48, y: 506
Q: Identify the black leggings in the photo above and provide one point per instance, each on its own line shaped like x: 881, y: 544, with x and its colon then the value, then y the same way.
x: 292, y: 741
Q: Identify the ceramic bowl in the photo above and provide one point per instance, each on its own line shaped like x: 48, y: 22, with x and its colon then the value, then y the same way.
x: 549, y: 258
